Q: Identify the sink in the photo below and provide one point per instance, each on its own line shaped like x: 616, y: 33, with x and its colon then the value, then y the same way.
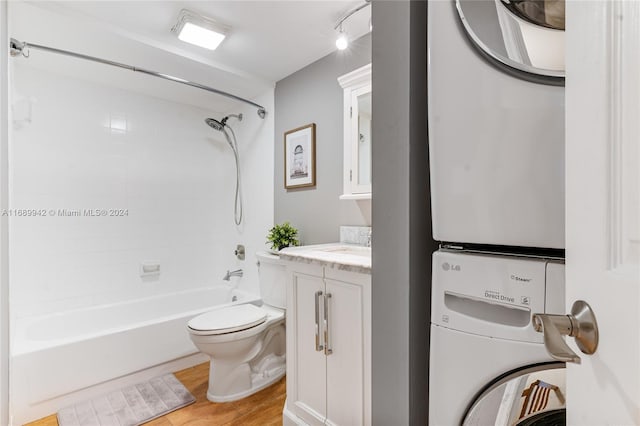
x: 341, y: 254
x: 352, y: 250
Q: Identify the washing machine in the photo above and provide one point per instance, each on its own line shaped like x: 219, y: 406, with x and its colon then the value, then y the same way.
x: 488, y: 366
x: 496, y: 121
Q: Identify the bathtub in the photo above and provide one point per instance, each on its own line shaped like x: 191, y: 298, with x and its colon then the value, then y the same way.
x: 59, y: 354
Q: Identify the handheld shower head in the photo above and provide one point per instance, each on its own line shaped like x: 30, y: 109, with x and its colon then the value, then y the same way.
x: 215, y: 124
x: 220, y: 125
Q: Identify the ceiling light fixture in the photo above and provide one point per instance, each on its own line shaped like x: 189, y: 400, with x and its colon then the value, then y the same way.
x: 199, y: 30
x: 342, y: 42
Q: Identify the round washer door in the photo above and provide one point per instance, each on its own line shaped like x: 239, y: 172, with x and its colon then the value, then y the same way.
x: 531, y: 396
x: 525, y: 35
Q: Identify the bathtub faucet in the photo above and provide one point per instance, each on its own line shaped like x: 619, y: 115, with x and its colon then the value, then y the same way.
x: 236, y: 273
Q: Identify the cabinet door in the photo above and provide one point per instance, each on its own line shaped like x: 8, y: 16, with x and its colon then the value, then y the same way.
x: 357, y: 134
x: 306, y: 365
x: 345, y: 362
x: 360, y: 175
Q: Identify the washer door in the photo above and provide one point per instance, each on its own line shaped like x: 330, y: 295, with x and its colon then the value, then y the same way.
x: 534, y: 395
x: 525, y: 35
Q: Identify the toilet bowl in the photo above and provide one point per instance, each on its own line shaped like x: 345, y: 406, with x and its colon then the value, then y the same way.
x: 246, y: 343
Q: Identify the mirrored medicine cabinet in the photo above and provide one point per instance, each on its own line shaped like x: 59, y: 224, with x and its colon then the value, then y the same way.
x: 357, y: 133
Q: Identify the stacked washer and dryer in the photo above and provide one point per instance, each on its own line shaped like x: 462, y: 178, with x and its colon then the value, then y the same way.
x: 496, y: 136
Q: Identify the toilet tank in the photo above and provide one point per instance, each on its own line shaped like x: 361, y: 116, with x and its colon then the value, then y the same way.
x: 272, y: 277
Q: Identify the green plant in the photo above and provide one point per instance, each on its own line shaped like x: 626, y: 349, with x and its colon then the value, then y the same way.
x: 281, y: 236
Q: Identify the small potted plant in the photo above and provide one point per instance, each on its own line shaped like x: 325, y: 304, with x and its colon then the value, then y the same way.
x: 281, y: 236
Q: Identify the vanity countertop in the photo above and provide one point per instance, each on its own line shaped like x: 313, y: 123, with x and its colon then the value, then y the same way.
x: 346, y: 257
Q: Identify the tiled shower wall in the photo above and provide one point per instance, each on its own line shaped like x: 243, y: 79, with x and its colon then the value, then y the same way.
x: 79, y: 148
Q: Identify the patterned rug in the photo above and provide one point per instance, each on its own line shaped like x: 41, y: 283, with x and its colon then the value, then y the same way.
x: 133, y: 405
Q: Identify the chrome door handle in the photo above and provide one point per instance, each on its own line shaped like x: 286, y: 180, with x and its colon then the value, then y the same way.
x: 327, y: 341
x: 318, y: 295
x: 581, y: 324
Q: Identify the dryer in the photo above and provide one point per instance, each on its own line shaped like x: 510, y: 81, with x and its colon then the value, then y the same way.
x: 496, y: 122
x: 487, y: 365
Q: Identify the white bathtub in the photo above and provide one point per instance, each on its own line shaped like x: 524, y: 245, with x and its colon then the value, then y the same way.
x: 59, y: 354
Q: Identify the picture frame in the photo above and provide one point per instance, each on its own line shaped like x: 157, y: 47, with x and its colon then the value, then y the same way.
x: 300, y: 157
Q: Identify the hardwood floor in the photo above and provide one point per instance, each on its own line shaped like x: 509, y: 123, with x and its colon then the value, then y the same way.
x: 261, y: 409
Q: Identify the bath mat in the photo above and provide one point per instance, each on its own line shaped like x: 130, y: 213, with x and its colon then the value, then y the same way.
x: 133, y: 405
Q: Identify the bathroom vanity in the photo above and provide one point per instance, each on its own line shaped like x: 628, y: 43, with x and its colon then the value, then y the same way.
x: 328, y: 335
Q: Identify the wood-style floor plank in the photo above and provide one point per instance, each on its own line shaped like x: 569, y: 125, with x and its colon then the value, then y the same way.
x: 260, y: 409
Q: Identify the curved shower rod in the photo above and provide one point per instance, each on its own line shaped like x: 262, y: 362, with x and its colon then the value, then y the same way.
x: 22, y: 48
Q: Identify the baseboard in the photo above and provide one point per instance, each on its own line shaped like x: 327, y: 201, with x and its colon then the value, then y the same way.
x: 290, y: 419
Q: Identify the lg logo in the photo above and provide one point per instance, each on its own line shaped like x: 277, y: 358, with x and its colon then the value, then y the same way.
x: 448, y: 267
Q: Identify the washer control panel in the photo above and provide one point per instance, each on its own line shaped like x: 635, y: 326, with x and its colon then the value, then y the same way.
x: 494, y: 295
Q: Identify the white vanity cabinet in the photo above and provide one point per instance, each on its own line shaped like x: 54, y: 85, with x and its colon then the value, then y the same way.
x: 328, y: 346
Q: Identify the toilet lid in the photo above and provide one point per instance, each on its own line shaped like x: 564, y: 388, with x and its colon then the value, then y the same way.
x: 228, y: 320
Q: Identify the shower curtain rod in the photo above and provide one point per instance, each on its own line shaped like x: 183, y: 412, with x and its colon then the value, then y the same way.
x: 18, y: 48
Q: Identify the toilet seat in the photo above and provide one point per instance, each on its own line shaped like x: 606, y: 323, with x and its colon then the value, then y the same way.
x: 227, y: 320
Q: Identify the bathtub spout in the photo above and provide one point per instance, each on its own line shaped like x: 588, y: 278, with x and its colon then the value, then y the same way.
x: 229, y: 274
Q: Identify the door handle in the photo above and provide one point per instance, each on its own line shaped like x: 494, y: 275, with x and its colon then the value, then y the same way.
x: 580, y: 324
x: 327, y: 339
x: 319, y: 347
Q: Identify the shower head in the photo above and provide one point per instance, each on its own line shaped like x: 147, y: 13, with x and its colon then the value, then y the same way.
x: 215, y: 124
x: 220, y: 125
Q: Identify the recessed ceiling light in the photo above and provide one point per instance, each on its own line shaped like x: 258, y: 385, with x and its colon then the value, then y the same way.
x: 199, y: 30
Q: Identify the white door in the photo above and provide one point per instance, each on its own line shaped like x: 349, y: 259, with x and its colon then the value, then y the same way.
x: 603, y: 207
x: 4, y: 256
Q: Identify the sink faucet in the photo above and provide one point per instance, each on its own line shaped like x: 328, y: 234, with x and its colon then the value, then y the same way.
x: 229, y: 274
x: 369, y: 239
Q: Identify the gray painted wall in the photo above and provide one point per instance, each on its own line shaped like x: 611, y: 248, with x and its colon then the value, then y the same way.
x: 402, y: 243
x: 313, y: 95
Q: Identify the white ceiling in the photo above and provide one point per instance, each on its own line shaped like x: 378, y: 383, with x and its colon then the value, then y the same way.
x: 268, y: 41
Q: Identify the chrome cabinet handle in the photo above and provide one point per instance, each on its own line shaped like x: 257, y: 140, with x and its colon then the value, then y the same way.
x: 319, y: 347
x: 327, y: 341
x: 581, y: 324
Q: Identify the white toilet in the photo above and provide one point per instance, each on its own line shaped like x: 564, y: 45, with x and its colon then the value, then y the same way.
x: 246, y: 343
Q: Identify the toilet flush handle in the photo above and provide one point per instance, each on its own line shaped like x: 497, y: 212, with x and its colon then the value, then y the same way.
x: 580, y: 324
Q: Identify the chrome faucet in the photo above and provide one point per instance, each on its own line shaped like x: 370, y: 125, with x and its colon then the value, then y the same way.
x: 229, y: 274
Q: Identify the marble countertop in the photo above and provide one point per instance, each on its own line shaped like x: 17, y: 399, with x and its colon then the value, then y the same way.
x: 343, y: 256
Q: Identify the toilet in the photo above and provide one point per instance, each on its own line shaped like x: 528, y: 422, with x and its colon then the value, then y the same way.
x: 246, y: 343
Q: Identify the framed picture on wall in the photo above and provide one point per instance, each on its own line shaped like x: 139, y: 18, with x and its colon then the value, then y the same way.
x: 300, y: 157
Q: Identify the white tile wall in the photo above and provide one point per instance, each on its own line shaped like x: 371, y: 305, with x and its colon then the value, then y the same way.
x: 90, y: 146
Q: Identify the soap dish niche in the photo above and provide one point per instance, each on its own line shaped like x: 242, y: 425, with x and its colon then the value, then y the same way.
x: 150, y: 269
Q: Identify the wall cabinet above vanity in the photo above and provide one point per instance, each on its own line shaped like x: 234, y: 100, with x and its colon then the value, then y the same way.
x: 357, y: 133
